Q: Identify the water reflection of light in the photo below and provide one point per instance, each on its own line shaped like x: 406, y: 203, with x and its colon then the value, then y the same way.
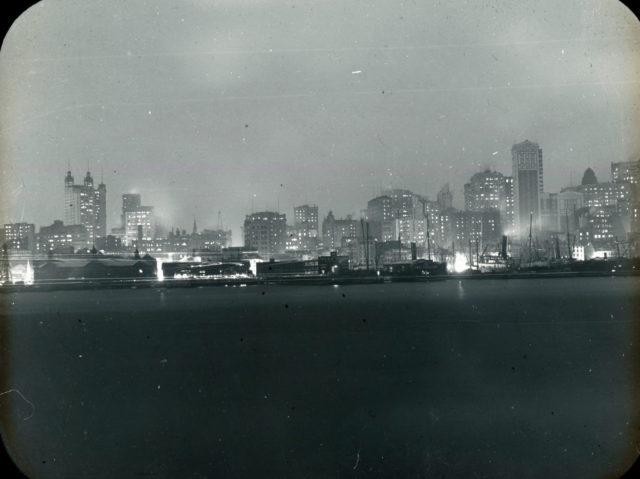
x: 159, y: 272
x: 460, y: 263
x: 19, y: 273
x: 28, y: 274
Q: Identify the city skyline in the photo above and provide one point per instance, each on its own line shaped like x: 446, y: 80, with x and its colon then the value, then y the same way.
x: 601, y: 213
x: 485, y: 190
x: 257, y: 104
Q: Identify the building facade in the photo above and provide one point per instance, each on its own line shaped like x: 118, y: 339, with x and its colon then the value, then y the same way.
x: 306, y: 216
x: 491, y: 190
x: 303, y: 235
x: 20, y: 237
x: 399, y: 214
x: 334, y: 231
x: 61, y: 237
x: 140, y: 225
x: 130, y: 201
x: 445, y: 198
x: 526, y: 158
x: 266, y: 232
x: 475, y: 229
x: 626, y: 171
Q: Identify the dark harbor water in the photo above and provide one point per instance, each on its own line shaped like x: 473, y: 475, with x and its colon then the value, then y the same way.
x: 491, y: 378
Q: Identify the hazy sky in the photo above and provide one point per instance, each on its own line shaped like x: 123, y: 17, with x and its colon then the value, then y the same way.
x: 206, y: 106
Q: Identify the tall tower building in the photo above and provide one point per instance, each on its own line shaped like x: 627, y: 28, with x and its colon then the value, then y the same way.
x: 526, y: 160
x: 86, y: 205
x: 71, y: 201
x: 101, y: 210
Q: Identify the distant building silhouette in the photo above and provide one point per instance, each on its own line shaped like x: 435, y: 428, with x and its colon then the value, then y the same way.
x: 589, y: 177
x: 445, y: 197
x: 110, y: 244
x: 558, y: 211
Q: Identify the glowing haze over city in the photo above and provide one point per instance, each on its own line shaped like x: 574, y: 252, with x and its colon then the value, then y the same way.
x: 212, y: 111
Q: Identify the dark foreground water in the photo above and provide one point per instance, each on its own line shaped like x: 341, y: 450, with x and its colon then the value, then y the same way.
x: 476, y: 378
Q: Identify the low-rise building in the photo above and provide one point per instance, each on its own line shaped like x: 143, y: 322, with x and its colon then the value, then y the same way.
x: 59, y: 237
x: 20, y: 237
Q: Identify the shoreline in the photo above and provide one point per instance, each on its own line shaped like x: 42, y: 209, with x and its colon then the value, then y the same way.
x: 309, y: 280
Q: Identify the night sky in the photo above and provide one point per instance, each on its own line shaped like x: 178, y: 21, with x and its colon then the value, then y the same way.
x: 237, y: 105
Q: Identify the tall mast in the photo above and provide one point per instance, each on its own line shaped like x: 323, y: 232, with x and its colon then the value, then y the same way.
x: 426, y: 216
x: 530, y: 227
x: 364, y: 242
x: 566, y: 216
x: 367, y: 250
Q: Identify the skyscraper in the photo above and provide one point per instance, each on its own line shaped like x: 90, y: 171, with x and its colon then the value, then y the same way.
x: 71, y: 200
x: 86, y: 205
x: 101, y: 211
x: 526, y: 160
